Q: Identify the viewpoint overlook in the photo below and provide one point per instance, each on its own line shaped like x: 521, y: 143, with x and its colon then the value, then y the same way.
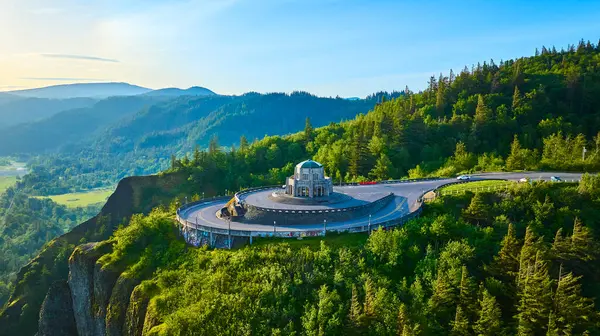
x: 302, y: 168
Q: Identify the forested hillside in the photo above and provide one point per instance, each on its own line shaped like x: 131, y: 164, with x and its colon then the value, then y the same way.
x: 530, y: 269
x: 107, y: 146
x: 532, y: 113
x: 537, y: 112
x: 26, y: 224
x: 73, y: 126
x: 22, y: 110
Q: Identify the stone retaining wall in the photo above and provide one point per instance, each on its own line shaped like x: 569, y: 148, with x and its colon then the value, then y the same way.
x: 293, y: 216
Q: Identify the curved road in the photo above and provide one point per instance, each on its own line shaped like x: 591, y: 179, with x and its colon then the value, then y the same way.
x: 407, y: 194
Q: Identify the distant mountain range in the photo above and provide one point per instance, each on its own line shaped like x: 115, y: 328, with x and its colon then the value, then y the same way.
x: 82, y: 90
x: 24, y: 110
x: 7, y: 97
x: 25, y: 106
x: 99, y: 91
x: 175, y: 92
x: 123, y: 118
x: 156, y: 120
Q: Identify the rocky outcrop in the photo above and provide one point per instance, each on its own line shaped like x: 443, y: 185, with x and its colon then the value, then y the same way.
x: 56, y: 314
x: 81, y: 282
x: 136, y: 312
x: 104, y: 281
x: 118, y: 304
x: 133, y: 195
x: 151, y: 321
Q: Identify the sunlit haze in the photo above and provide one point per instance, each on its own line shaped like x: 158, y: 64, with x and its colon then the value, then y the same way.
x: 346, y: 48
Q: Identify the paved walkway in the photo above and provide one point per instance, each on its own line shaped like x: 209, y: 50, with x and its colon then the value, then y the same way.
x: 405, y: 202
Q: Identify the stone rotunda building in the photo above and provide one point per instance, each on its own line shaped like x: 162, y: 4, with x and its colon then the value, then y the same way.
x: 309, y: 180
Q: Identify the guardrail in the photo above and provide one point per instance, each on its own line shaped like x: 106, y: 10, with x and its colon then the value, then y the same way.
x: 358, y: 207
x: 189, y: 227
x: 202, y: 201
x: 251, y: 190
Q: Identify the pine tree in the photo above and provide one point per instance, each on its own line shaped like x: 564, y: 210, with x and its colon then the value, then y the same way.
x: 213, y: 145
x: 368, y: 307
x: 483, y: 113
x: 467, y: 294
x: 355, y: 313
x: 243, y: 144
x: 516, y: 159
x: 462, y: 159
x: 527, y: 254
x: 403, y: 322
x: 490, y: 319
x: 552, y: 329
x: 460, y: 326
x: 581, y: 250
x: 573, y: 311
x: 477, y: 210
x: 506, y: 263
x: 308, y: 130
x: 517, y: 100
x: 581, y: 239
x: 324, y: 317
x: 535, y: 299
x: 383, y: 168
x: 444, y: 298
x: 559, y: 241
x: 197, y: 155
x: 518, y: 73
x: 440, y: 101
x: 357, y: 154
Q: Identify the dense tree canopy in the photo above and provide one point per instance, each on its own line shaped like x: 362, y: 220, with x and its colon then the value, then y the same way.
x: 441, y: 274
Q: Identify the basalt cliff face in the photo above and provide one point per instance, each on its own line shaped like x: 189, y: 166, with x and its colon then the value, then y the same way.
x: 97, y: 299
x: 66, y: 290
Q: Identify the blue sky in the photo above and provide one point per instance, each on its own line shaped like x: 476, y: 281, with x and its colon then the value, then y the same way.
x: 328, y: 47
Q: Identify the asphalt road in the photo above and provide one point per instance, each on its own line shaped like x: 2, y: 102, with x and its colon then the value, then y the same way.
x: 407, y: 194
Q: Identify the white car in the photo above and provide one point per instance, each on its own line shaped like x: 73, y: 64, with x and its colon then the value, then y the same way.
x: 524, y: 180
x: 463, y: 178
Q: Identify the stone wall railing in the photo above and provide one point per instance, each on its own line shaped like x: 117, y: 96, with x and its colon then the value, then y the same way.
x: 251, y: 190
x: 196, y: 233
x: 256, y: 214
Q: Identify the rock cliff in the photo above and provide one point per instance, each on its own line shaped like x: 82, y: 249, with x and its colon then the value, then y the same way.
x: 91, y: 286
x: 56, y: 314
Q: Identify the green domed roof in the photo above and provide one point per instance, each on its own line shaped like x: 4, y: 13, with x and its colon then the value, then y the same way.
x: 309, y: 164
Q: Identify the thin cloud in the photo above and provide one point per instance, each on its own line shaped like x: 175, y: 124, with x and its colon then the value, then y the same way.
x: 63, y: 79
x: 81, y: 57
x: 10, y: 87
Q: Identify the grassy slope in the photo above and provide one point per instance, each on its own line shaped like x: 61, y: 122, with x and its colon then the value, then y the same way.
x: 81, y: 199
x: 476, y: 185
x: 6, y: 181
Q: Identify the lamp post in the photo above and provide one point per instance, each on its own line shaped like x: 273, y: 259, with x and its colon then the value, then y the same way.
x: 203, y: 195
x: 324, y: 227
x: 226, y: 192
x: 274, y: 227
x: 369, y: 224
x: 229, y: 230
